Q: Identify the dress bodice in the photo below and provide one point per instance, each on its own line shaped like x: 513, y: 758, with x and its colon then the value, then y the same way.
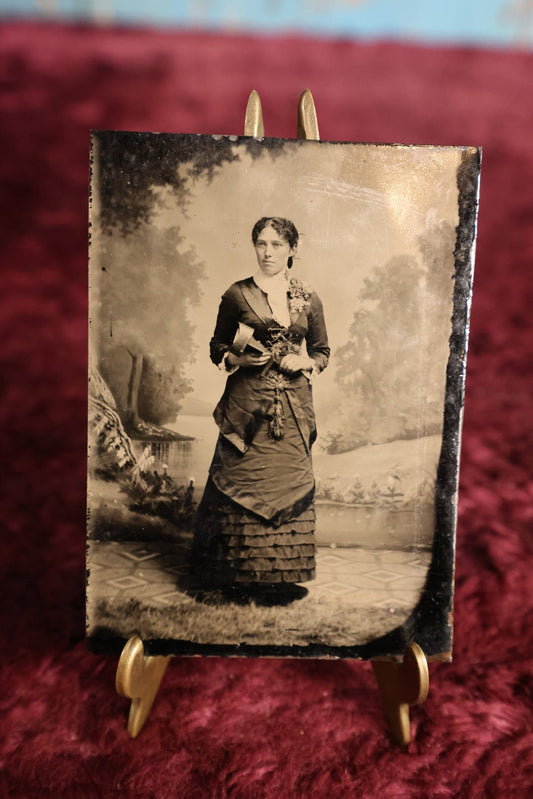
x: 244, y: 302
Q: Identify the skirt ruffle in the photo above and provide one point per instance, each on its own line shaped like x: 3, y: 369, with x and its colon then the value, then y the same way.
x: 232, y: 545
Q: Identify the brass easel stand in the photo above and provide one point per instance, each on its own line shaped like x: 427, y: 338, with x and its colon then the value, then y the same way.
x: 401, y: 685
x: 139, y: 677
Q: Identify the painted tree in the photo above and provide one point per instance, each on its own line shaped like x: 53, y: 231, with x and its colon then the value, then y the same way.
x: 148, y: 279
x: 148, y: 284
x: 131, y: 167
x: 391, y: 371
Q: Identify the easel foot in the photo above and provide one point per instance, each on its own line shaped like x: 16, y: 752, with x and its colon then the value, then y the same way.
x: 401, y: 685
x: 138, y: 678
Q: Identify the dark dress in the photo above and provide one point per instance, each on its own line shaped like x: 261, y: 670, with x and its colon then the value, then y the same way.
x: 256, y: 519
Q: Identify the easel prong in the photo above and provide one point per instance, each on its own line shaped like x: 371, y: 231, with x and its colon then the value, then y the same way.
x: 307, y: 119
x: 138, y: 678
x: 253, y: 119
x: 400, y: 686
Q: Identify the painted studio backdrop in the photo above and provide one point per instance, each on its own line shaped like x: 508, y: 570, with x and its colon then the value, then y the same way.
x: 171, y: 222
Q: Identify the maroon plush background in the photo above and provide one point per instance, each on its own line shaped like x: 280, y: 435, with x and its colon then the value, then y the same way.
x: 231, y: 728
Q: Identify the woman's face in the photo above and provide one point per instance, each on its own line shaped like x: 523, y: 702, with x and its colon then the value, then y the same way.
x: 272, y: 251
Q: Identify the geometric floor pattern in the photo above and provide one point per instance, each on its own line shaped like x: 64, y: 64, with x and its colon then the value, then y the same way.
x: 385, y: 579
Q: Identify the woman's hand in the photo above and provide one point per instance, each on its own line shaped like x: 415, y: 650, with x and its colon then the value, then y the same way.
x: 247, y: 359
x: 293, y: 363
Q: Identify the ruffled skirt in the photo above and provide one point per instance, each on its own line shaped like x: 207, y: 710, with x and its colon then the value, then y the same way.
x: 256, y: 520
x: 234, y: 546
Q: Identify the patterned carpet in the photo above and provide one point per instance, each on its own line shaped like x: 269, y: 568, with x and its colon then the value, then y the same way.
x: 360, y: 578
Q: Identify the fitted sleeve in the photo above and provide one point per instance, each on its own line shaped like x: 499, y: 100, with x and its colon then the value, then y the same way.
x: 317, y: 337
x: 225, y: 328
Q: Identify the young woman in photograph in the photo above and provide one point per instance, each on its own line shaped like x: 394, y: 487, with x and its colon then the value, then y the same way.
x: 256, y: 519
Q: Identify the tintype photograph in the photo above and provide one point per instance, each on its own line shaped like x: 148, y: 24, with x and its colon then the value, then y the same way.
x: 278, y: 334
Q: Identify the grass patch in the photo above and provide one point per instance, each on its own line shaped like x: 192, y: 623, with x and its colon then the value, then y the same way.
x: 213, y: 620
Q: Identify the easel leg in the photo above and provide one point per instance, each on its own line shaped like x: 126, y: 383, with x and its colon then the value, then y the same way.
x: 138, y: 678
x: 401, y: 685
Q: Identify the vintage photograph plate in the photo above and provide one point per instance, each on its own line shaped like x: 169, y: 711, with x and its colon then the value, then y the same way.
x: 278, y: 338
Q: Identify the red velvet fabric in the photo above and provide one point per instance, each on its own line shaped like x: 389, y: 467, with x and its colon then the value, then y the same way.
x: 232, y: 728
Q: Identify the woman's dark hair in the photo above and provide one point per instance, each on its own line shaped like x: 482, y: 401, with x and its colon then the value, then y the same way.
x: 283, y: 227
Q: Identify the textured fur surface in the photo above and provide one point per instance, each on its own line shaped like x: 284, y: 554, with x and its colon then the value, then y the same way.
x: 230, y: 728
